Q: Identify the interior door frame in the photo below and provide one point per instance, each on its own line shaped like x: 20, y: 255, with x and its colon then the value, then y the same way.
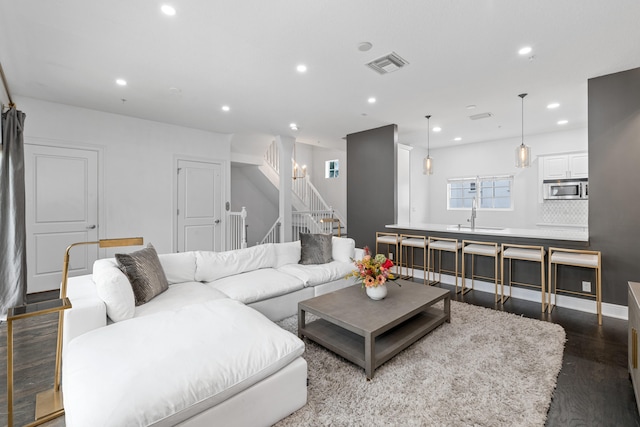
x: 225, y: 187
x: 99, y: 149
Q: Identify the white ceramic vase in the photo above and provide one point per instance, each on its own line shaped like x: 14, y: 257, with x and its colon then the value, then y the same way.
x: 377, y: 292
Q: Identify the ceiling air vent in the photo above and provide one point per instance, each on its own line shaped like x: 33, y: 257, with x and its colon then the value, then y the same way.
x: 387, y: 64
x: 480, y: 116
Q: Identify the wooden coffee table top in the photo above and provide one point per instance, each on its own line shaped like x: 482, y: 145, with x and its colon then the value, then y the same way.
x: 353, y: 310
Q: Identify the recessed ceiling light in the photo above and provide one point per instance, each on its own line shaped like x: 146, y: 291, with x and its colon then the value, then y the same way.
x: 168, y: 10
x: 293, y: 126
x: 371, y: 100
x: 553, y: 105
x: 525, y: 50
x: 301, y: 68
x: 364, y: 46
x: 470, y: 107
x: 121, y: 82
x: 457, y: 138
x: 437, y: 129
x: 563, y: 122
x: 225, y: 108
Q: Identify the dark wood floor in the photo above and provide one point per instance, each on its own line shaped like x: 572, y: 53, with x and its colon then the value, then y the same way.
x: 593, y: 386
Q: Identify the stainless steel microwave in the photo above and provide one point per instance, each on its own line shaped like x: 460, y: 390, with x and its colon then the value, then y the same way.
x: 566, y: 189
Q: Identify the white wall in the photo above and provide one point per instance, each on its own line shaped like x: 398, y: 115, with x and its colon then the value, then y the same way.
x: 333, y: 190
x: 429, y: 192
x: 138, y: 176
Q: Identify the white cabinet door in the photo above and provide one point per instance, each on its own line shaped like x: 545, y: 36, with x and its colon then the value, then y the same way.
x: 556, y: 167
x: 61, y: 186
x: 564, y: 166
x: 579, y: 165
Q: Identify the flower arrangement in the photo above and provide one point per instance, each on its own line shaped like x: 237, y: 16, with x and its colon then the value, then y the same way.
x: 372, y: 271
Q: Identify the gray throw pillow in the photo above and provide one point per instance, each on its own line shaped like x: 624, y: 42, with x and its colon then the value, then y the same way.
x: 315, y: 248
x: 144, y: 272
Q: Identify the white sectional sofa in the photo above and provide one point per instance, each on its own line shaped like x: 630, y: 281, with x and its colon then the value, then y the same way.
x: 205, y: 352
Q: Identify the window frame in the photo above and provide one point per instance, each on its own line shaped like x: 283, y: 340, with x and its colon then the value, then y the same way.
x: 475, y: 185
x: 329, y: 172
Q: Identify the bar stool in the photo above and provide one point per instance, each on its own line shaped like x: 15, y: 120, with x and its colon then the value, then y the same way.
x: 524, y: 253
x: 487, y: 249
x: 577, y: 258
x: 409, y: 242
x: 442, y: 244
x: 391, y: 240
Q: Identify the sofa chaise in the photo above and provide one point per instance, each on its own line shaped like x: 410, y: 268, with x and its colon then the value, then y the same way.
x: 203, y: 352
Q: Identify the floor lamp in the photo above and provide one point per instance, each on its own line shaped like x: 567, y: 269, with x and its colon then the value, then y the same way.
x: 49, y: 403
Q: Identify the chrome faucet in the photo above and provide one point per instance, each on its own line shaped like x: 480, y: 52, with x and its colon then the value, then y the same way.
x: 472, y: 220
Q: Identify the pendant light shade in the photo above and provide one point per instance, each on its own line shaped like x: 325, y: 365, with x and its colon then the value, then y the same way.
x: 523, y: 152
x: 428, y: 163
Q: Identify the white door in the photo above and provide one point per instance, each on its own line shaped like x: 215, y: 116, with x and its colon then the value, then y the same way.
x: 199, y: 214
x: 61, y: 186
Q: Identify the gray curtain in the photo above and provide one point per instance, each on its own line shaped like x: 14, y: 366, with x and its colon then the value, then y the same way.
x: 13, y: 251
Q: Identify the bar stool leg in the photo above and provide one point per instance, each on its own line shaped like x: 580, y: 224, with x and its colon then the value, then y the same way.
x: 464, y: 278
x: 495, y: 272
x: 543, y: 286
x: 599, y: 293
x: 456, y: 272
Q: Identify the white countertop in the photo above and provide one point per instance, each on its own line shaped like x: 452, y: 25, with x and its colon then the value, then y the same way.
x: 551, y: 233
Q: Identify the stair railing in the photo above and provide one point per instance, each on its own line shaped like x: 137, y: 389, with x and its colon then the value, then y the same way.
x: 302, y: 187
x: 237, y: 229
x: 273, y: 235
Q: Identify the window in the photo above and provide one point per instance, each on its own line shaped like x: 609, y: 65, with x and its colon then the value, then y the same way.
x: 331, y: 169
x: 490, y: 192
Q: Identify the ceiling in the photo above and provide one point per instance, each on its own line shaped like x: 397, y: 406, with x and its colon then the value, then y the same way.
x: 243, y: 54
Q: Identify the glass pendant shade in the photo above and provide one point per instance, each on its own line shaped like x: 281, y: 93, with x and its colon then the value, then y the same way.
x: 428, y: 163
x: 427, y: 170
x: 523, y: 153
x: 523, y: 156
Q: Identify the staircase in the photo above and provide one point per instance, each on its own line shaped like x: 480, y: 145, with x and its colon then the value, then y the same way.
x: 311, y: 213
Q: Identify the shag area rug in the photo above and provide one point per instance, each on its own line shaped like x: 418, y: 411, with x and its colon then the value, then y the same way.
x: 485, y: 368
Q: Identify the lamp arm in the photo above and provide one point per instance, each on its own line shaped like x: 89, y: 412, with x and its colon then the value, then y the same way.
x: 65, y: 266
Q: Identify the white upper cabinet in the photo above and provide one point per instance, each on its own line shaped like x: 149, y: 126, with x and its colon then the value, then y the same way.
x: 562, y: 166
x: 579, y: 165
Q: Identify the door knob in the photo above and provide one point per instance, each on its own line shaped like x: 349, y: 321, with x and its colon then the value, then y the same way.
x: 91, y: 227
x: 217, y: 221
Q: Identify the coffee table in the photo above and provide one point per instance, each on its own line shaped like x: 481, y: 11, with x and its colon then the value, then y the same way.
x: 368, y: 332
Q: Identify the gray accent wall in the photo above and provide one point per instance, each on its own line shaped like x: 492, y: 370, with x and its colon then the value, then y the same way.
x: 371, y: 183
x: 614, y: 179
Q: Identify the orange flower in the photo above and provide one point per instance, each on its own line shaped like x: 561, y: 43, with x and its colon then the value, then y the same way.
x: 381, y: 279
x: 369, y: 281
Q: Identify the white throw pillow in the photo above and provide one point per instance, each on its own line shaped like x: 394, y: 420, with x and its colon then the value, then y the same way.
x: 343, y: 249
x: 114, y: 289
x: 287, y: 253
x: 180, y: 267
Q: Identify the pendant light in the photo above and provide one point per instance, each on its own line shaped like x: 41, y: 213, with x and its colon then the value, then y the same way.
x: 523, y: 152
x: 428, y: 170
x: 297, y: 174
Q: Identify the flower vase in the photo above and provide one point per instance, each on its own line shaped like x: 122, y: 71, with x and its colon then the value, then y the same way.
x: 377, y: 292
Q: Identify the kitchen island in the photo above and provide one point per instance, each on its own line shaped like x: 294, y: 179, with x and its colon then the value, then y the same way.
x: 550, y: 236
x: 524, y: 272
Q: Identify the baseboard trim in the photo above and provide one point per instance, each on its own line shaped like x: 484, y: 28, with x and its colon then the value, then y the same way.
x: 580, y: 304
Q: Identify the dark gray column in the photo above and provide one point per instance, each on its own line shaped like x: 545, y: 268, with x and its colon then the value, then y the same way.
x: 371, y: 183
x: 614, y: 179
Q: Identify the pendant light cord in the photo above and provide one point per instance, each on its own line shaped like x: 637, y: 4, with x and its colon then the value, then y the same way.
x: 522, y: 95
x: 428, y: 132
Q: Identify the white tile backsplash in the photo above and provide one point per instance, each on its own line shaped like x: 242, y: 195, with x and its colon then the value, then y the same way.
x: 564, y: 212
